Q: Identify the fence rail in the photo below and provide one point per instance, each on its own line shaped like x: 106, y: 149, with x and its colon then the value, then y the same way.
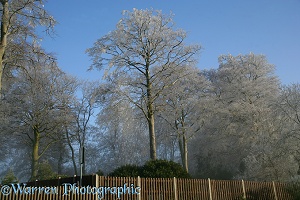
x: 129, y: 188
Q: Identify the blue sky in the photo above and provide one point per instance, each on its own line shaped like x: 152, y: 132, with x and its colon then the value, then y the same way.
x: 269, y: 27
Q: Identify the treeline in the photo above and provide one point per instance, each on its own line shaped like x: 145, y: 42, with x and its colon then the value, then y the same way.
x: 235, y: 121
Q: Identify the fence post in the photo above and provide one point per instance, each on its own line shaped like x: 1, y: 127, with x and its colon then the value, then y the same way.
x: 58, y: 186
x: 175, y: 189
x: 275, y: 193
x: 244, y: 191
x: 97, y: 181
x: 139, y: 185
x: 209, y: 188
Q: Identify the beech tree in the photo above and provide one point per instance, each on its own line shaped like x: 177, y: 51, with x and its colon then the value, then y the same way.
x: 19, y: 18
x: 183, y: 110
x: 242, y: 92
x: 146, y: 49
x: 38, y: 100
x: 288, y: 108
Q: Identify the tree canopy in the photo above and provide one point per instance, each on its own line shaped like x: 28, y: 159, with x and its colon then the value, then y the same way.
x: 145, y: 55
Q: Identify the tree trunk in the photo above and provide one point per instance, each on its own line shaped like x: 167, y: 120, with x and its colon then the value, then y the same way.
x: 4, y: 33
x: 152, y: 136
x: 73, y: 159
x: 35, y: 154
x: 72, y: 152
x: 150, y: 117
x: 182, y: 141
x: 185, y: 153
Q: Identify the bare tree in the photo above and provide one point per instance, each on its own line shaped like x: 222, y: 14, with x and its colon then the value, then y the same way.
x: 79, y: 127
x: 183, y: 109
x: 288, y: 108
x: 146, y: 50
x: 38, y: 100
x: 289, y: 104
x: 240, y: 112
x: 122, y: 132
x: 19, y: 18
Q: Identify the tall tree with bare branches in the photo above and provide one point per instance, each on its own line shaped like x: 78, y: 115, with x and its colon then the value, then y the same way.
x: 19, y: 18
x: 38, y: 100
x: 142, y: 53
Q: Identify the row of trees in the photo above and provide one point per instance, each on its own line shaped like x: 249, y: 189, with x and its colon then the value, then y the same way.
x: 235, y: 121
x: 41, y: 115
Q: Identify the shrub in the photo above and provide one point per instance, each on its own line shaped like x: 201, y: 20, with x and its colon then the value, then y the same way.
x: 45, y: 171
x: 100, y: 172
x: 152, y: 169
x: 294, y: 190
x: 126, y: 171
x: 9, y: 178
x: 163, y: 169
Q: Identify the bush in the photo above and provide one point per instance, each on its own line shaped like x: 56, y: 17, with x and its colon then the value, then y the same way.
x: 9, y: 178
x: 163, y: 169
x: 45, y: 172
x: 294, y: 190
x: 152, y: 169
x: 126, y: 171
x: 100, y: 172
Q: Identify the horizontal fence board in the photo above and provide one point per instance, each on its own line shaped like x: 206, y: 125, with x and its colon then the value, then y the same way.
x: 126, y: 188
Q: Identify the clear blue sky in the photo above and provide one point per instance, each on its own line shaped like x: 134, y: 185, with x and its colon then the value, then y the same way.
x: 269, y: 27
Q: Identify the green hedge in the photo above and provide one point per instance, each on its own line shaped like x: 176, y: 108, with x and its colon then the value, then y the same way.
x: 152, y: 169
x: 126, y: 171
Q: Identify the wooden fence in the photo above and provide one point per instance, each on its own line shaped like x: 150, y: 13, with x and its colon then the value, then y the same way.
x: 96, y: 187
